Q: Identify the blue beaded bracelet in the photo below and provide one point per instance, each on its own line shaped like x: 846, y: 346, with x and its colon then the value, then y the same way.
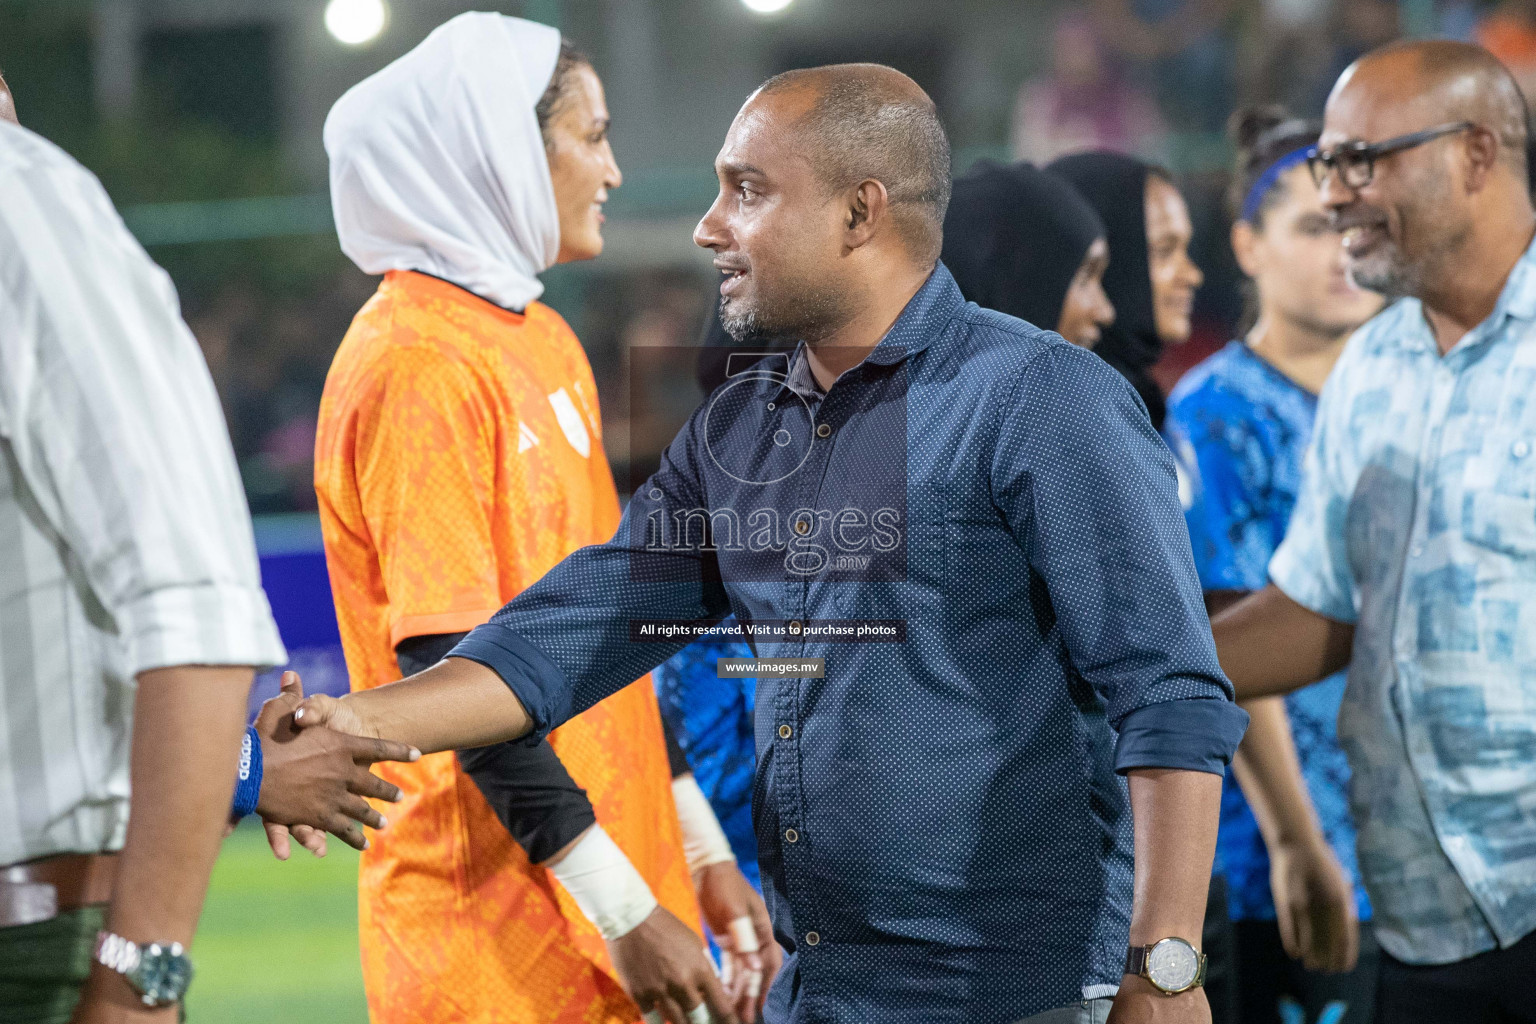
x: 248, y: 784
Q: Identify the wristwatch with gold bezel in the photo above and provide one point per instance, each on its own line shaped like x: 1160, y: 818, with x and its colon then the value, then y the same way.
x: 1172, y: 965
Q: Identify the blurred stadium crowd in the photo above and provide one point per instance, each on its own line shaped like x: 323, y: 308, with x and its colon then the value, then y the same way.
x: 1157, y: 78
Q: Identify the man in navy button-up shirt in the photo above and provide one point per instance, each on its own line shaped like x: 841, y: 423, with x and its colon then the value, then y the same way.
x: 945, y: 829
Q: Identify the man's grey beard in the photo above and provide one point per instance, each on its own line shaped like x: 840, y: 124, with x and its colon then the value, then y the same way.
x: 808, y: 319
x: 1395, y: 275
x: 1393, y: 280
x: 746, y: 328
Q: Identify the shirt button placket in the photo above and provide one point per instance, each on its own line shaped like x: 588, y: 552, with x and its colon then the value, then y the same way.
x: 804, y: 904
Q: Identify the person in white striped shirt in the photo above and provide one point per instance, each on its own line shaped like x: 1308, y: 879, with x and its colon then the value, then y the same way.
x: 131, y: 615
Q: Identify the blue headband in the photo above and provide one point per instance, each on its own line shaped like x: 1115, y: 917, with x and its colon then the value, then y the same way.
x: 1266, y: 181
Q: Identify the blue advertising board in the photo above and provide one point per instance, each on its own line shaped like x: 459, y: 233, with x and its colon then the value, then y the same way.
x: 299, y: 589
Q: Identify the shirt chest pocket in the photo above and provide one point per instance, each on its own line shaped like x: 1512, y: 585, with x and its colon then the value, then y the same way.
x: 1499, y: 503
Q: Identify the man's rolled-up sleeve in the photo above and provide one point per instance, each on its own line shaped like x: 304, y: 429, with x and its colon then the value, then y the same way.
x: 1198, y: 735
x: 565, y: 643
x: 1090, y: 491
x: 532, y: 675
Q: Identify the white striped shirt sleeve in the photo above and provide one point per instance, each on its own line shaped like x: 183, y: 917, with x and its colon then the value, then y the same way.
x: 114, y: 424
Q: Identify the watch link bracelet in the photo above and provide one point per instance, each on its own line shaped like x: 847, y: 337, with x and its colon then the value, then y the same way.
x: 1172, y: 965
x: 159, y: 971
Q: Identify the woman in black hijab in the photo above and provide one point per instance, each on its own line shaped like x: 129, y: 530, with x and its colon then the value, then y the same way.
x: 1023, y: 242
x: 1151, y: 279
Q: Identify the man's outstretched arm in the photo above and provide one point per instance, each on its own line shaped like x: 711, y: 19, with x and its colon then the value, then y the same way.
x: 563, y: 644
x: 1269, y: 645
x: 452, y: 705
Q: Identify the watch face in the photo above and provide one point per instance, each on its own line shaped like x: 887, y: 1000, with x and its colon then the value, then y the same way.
x: 163, y: 974
x: 1173, y: 965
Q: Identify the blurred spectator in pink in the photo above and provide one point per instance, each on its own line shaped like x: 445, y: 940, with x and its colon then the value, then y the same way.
x: 1084, y: 103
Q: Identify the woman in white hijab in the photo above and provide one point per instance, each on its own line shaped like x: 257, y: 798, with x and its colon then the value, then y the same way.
x: 459, y: 458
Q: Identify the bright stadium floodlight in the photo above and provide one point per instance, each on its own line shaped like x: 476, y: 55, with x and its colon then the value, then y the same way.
x: 355, y: 22
x: 766, y: 6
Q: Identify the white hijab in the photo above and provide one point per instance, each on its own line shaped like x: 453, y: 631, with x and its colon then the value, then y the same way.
x: 437, y: 163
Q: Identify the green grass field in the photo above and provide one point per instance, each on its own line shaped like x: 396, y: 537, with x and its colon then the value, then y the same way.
x: 278, y: 942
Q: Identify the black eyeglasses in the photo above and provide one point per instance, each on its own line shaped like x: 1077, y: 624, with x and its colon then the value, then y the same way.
x: 1356, y: 161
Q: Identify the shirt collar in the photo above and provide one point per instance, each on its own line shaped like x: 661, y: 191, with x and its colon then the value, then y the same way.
x: 923, y: 319
x: 1517, y: 301
x: 1518, y: 298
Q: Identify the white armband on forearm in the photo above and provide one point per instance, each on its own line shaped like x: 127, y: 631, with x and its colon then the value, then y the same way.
x: 704, y: 842
x: 604, y: 884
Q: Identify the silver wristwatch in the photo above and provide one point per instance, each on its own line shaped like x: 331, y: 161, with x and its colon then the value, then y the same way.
x: 159, y: 971
x: 1172, y: 965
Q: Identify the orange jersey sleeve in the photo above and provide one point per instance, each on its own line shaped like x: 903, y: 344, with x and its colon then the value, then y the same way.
x: 426, y: 478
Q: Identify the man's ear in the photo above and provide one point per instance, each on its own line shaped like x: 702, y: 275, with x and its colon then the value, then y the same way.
x: 869, y: 205
x: 1482, y: 152
x: 1245, y: 243
x: 7, y: 103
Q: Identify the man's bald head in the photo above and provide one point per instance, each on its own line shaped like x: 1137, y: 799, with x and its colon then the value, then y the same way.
x: 868, y: 121
x: 1447, y: 81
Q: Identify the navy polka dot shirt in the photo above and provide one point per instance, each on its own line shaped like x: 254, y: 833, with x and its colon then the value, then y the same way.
x: 973, y: 540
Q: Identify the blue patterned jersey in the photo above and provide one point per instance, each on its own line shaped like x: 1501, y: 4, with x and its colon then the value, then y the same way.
x: 712, y: 720
x: 1242, y: 428
x: 1417, y: 523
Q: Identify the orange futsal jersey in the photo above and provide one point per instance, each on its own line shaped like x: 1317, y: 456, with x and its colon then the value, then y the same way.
x: 459, y: 458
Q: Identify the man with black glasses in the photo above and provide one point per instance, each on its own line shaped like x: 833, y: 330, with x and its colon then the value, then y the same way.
x: 1411, y: 555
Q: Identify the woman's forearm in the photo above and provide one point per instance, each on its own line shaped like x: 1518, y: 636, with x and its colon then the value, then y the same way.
x: 1269, y: 772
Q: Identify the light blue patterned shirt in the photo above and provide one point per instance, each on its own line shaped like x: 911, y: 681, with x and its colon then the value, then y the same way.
x: 1417, y: 522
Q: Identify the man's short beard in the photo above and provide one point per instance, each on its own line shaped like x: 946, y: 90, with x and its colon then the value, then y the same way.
x: 1393, y: 280
x: 813, y: 313
x: 1440, y: 246
x: 744, y: 326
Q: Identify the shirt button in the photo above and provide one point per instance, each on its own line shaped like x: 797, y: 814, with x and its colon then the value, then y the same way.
x: 1417, y: 551
x: 1521, y: 449
x: 802, y: 526
x: 794, y: 627
x: 785, y: 732
x: 812, y: 938
x: 823, y: 430
x: 791, y: 836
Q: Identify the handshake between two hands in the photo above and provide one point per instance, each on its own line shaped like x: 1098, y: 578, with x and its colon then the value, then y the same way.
x: 316, y: 776
x: 314, y: 779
